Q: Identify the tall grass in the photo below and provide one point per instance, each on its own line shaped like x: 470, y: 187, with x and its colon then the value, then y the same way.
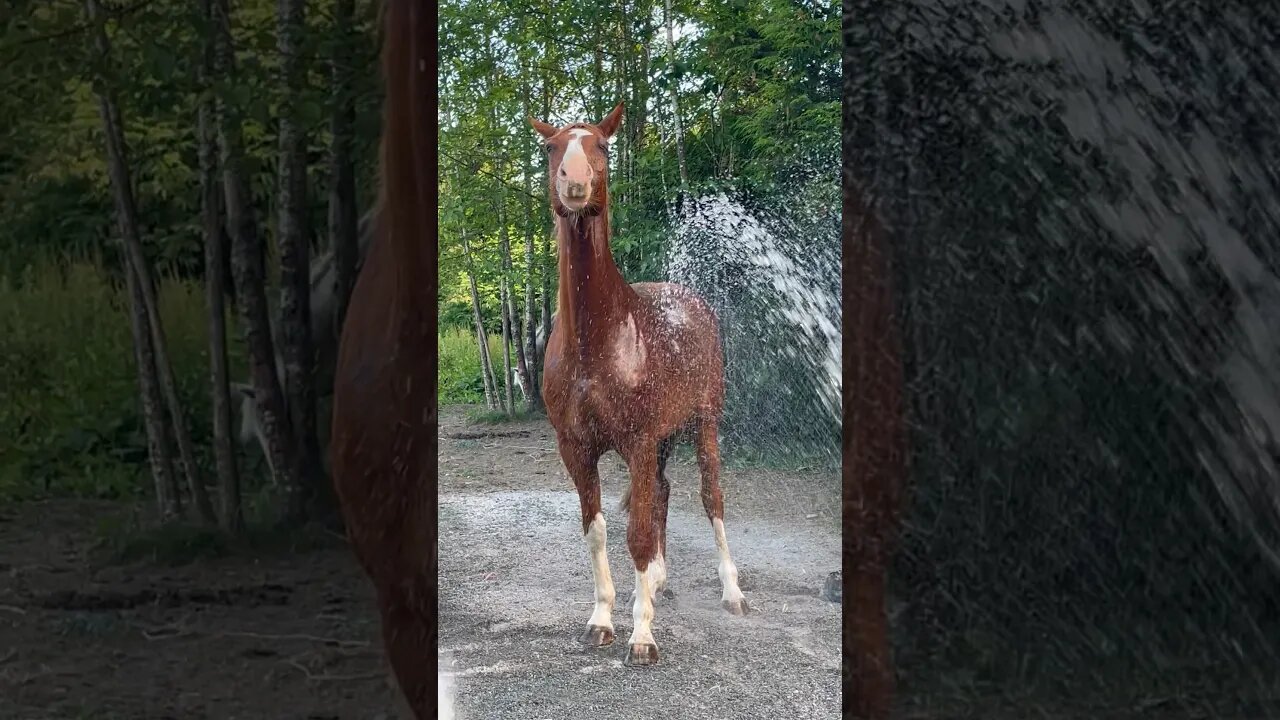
x: 70, y: 415
x: 459, y: 373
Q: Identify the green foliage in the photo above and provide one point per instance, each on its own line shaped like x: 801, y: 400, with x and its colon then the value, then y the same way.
x: 70, y: 420
x: 54, y: 192
x: 69, y: 408
x: 758, y: 87
x: 460, y: 375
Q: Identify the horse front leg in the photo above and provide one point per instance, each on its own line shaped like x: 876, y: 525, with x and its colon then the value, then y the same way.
x: 581, y: 462
x: 644, y: 543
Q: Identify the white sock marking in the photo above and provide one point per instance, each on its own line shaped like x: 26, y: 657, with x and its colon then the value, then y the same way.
x: 642, y: 608
x: 602, y: 613
x: 659, y: 573
x: 728, y: 571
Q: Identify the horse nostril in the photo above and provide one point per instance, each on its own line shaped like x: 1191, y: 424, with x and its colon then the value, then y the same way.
x: 563, y: 173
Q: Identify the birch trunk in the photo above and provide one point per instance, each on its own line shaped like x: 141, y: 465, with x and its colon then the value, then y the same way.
x: 306, y: 486
x: 248, y: 262
x: 343, y: 220
x: 230, y: 512
x: 675, y: 95
x: 135, y: 259
x: 482, y: 338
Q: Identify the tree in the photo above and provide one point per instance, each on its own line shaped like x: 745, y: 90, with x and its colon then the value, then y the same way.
x: 307, y: 487
x: 247, y: 262
x: 135, y: 259
x: 343, y: 215
x: 216, y: 271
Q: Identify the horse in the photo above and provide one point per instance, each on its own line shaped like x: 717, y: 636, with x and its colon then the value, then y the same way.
x: 628, y: 368
x: 383, y: 440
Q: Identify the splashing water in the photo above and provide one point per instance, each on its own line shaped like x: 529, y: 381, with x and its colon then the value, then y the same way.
x: 774, y: 280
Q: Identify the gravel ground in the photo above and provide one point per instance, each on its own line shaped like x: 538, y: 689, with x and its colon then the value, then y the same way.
x: 515, y: 584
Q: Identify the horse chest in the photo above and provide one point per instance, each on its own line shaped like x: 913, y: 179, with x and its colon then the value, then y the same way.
x: 606, y: 392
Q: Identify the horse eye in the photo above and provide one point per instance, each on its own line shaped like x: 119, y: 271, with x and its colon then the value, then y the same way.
x: 547, y: 147
x: 604, y: 146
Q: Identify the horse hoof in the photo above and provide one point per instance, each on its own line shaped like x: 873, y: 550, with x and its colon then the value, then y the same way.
x: 597, y: 636
x: 736, y: 607
x: 641, y: 654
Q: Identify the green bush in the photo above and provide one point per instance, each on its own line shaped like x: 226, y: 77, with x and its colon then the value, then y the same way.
x: 70, y: 416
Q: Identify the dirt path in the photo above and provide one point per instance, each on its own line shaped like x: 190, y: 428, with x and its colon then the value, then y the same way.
x: 293, y: 635
x: 290, y: 636
x: 516, y: 590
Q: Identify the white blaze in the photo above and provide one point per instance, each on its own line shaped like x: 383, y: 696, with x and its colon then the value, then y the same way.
x: 602, y: 614
x: 728, y: 571
x: 574, y: 154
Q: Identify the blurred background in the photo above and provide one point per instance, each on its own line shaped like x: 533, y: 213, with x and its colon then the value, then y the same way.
x: 1082, y: 206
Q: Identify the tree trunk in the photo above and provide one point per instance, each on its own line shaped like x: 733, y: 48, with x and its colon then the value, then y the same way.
x: 548, y: 252
x: 486, y: 365
x: 230, y: 513
x: 343, y: 221
x: 248, y: 262
x: 135, y: 259
x: 307, y: 496
x: 511, y: 328
x: 509, y: 394
x: 168, y: 498
x: 530, y: 320
x: 517, y: 342
x: 531, y: 356
x: 674, y: 91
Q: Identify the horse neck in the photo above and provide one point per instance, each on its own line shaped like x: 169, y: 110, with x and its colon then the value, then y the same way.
x: 592, y: 289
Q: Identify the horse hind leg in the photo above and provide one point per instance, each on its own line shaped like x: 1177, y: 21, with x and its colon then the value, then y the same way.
x: 665, y: 449
x: 581, y: 463
x: 713, y: 502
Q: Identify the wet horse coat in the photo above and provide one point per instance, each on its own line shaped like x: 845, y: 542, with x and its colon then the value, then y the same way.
x: 384, y: 408
x: 628, y: 368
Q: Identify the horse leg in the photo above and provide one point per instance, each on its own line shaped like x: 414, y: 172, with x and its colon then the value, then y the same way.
x: 581, y: 462
x: 713, y: 501
x: 665, y: 448
x: 642, y: 540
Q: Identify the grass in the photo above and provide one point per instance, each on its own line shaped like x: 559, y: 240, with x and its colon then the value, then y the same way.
x: 69, y: 408
x: 120, y: 540
x: 459, y: 372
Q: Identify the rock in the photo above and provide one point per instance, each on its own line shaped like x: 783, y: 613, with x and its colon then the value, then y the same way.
x: 832, y: 590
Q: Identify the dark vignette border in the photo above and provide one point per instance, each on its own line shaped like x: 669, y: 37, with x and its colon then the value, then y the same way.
x: 874, y: 448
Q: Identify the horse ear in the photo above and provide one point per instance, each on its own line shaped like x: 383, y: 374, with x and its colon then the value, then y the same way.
x: 610, y: 124
x: 543, y: 129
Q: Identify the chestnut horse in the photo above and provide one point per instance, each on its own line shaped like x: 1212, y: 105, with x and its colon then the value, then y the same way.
x: 628, y: 368
x: 383, y: 441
